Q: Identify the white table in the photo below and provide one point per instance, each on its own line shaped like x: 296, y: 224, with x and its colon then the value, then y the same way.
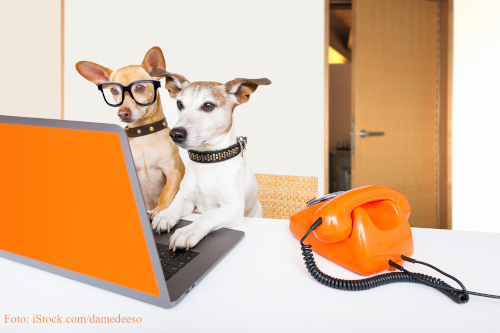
x: 262, y: 286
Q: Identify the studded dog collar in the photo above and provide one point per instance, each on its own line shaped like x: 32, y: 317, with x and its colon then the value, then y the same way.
x: 133, y: 132
x: 214, y: 156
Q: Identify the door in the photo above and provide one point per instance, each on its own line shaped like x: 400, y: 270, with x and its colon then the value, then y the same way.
x: 395, y: 92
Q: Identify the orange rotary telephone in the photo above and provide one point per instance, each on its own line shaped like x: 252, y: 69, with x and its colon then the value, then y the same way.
x: 365, y: 230
x: 361, y: 229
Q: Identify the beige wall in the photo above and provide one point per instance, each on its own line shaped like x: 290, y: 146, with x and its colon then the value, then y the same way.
x: 216, y: 40
x: 31, y: 58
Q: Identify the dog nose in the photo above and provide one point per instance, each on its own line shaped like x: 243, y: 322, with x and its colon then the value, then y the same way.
x: 124, y: 114
x: 178, y: 134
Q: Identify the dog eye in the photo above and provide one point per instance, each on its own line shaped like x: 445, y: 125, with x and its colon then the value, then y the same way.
x: 208, y: 106
x: 179, y: 105
x: 139, y: 88
x: 114, y: 91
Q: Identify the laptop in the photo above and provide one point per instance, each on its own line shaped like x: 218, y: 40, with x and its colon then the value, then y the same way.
x: 71, y: 204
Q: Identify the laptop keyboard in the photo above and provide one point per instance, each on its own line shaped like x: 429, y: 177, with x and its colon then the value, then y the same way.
x: 172, y: 262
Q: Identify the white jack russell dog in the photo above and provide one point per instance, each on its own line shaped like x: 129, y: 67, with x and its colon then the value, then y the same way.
x: 219, y: 184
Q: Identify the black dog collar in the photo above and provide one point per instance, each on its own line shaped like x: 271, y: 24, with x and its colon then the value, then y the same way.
x: 134, y: 132
x: 214, y: 156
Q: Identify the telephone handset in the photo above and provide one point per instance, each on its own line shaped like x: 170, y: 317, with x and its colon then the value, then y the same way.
x: 365, y: 230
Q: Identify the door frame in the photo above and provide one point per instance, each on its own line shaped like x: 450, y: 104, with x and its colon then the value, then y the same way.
x: 445, y: 70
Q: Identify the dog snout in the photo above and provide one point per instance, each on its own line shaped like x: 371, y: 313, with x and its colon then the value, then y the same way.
x: 178, y: 134
x: 124, y: 114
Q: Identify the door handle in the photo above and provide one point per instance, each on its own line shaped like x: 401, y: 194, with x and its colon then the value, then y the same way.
x: 364, y: 134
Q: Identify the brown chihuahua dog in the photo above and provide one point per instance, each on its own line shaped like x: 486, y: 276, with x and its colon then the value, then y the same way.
x: 159, y: 167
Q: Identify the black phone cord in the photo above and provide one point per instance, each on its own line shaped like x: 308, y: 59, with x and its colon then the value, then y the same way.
x: 457, y: 295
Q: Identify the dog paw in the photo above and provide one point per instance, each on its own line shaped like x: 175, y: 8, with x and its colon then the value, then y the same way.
x: 187, y: 237
x: 164, y: 221
x: 155, y: 212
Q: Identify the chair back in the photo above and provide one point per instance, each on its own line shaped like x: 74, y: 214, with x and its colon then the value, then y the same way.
x: 283, y: 196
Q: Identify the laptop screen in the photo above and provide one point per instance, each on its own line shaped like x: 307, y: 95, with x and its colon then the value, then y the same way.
x: 66, y: 200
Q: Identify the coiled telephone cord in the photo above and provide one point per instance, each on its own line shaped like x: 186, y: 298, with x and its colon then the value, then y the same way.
x: 460, y: 296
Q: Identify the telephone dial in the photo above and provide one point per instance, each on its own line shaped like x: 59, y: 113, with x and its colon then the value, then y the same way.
x: 365, y: 230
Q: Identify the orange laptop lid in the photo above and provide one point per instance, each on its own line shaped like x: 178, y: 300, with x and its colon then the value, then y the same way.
x: 70, y: 199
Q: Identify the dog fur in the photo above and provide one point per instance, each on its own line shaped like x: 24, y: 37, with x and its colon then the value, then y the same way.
x: 223, y: 192
x: 159, y: 167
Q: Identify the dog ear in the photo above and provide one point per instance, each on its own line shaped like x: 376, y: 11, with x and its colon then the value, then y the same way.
x: 173, y: 82
x: 242, y: 88
x: 93, y: 72
x: 154, y: 60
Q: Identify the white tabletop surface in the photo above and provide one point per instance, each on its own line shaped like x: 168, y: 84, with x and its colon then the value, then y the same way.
x: 262, y: 286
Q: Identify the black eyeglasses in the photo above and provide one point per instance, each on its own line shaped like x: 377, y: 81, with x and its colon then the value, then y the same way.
x: 143, y: 92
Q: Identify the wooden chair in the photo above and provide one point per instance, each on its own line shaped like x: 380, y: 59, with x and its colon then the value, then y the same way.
x: 283, y: 196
